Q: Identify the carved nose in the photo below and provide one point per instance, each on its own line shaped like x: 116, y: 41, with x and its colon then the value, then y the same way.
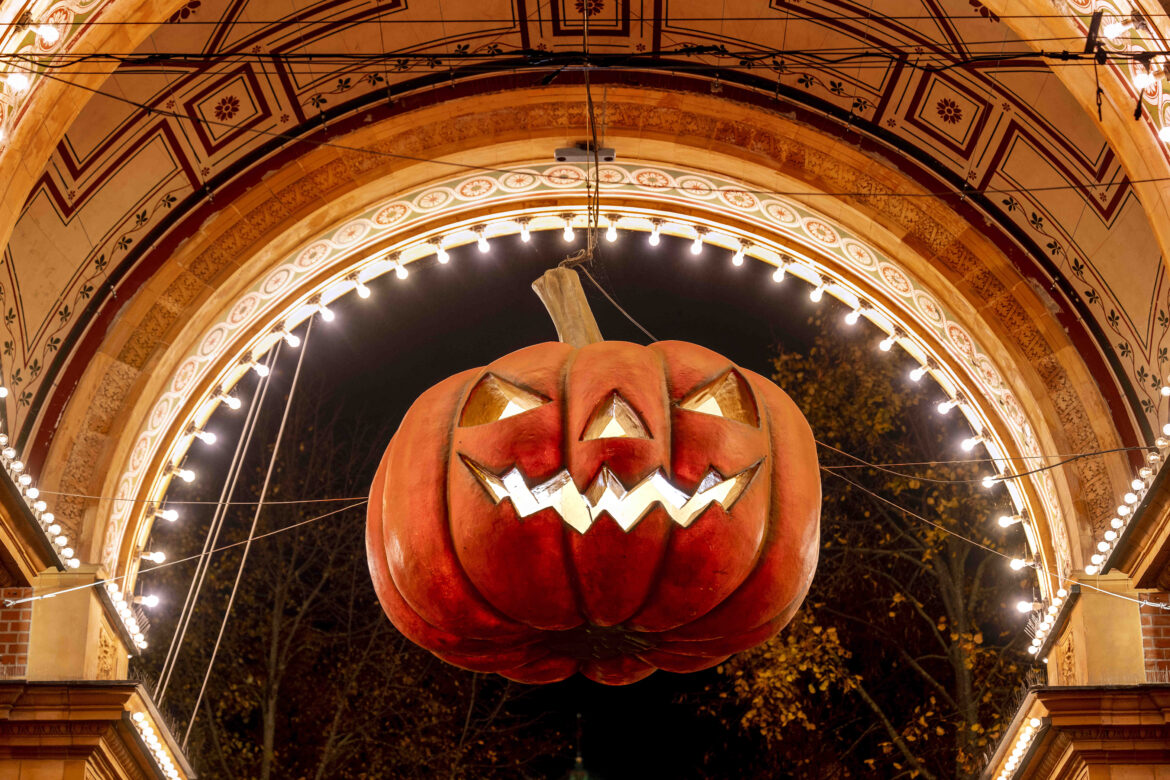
x: 614, y: 418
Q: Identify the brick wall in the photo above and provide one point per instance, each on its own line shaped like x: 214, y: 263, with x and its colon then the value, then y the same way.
x: 14, y: 628
x: 1156, y: 639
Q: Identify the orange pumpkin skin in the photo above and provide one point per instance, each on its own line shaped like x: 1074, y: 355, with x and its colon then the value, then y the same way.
x: 534, y: 599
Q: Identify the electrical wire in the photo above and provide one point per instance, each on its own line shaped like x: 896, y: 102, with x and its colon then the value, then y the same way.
x: 472, y: 167
x: 1056, y: 578
x: 166, y: 564
x: 235, y: 468
x: 251, y: 536
x: 862, y: 463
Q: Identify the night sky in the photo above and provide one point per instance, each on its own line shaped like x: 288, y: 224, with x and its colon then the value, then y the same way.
x: 410, y: 334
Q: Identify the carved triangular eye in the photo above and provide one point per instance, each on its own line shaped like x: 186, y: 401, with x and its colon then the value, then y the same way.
x: 728, y: 396
x: 496, y: 399
x: 614, y: 418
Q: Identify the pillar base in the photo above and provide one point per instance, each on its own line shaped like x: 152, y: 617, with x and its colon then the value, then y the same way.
x: 82, y: 730
x: 1088, y: 732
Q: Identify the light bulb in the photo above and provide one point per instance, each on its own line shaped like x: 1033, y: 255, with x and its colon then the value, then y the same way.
x: 170, y: 515
x: 482, y: 243
x: 54, y: 529
x: 525, y: 235
x: 1166, y: 429
x: 1122, y: 510
x: 18, y: 82
x: 73, y: 563
x: 969, y: 443
x: 146, y: 601
x: 1137, y: 484
x: 945, y: 407
x: 1116, y: 522
x: 154, y: 557
x: 40, y: 506
x: 917, y: 374
x: 1090, y: 570
x: 3, y: 390
x: 325, y: 312
x: 47, y: 517
x: 1024, y: 606
x: 25, y: 480
x: 1017, y: 564
x: 292, y: 339
x: 260, y: 368
x: 401, y: 271
x: 61, y: 540
x: 138, y: 717
x: 778, y: 274
x: 1097, y: 558
x: 441, y: 254
x: 1103, y: 546
x: 697, y: 245
x: 1142, y: 81
x: 1130, y: 498
x: 654, y: 237
x: 1062, y: 593
x: 231, y: 401
x: 16, y: 465
x: 66, y: 552
x: 1164, y: 390
x: 1164, y: 134
x: 817, y: 293
x: 1009, y: 520
x: 48, y: 34
x: 187, y: 475
x: 737, y: 259
x: 1110, y: 535
x: 1145, y: 472
x: 32, y: 492
x: 611, y: 232
x: 887, y: 343
x: 8, y: 452
x: 1115, y: 30
x: 991, y: 481
x: 568, y: 233
x: 207, y: 437
x: 361, y: 289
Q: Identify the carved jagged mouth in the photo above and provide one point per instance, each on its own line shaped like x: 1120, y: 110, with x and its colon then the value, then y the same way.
x: 607, y: 494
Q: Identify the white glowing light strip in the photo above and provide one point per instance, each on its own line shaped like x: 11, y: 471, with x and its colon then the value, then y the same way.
x: 457, y: 233
x: 1019, y: 748
x: 157, y: 745
x: 607, y: 495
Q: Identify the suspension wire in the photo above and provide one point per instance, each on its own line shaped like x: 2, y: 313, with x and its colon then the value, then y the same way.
x: 195, y: 557
x: 862, y: 463
x: 213, y: 531
x: 251, y: 535
x: 1052, y: 576
x: 171, y: 502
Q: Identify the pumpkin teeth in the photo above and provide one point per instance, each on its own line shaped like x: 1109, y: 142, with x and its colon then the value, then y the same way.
x: 607, y: 494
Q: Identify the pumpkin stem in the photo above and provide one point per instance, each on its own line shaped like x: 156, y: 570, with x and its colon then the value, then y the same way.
x: 559, y: 289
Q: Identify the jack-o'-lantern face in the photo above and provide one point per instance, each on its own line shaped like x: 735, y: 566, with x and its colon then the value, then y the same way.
x: 625, y: 498
x: 613, y: 508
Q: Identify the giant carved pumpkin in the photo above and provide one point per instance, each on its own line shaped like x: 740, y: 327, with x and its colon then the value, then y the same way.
x: 611, y: 509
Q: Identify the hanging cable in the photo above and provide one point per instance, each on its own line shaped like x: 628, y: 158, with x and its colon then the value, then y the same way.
x: 251, y: 534
x: 213, y: 530
x: 862, y: 463
x: 1054, y: 577
x: 195, y: 557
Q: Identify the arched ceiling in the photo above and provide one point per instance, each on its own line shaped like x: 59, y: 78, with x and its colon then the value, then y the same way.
x: 228, y: 92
